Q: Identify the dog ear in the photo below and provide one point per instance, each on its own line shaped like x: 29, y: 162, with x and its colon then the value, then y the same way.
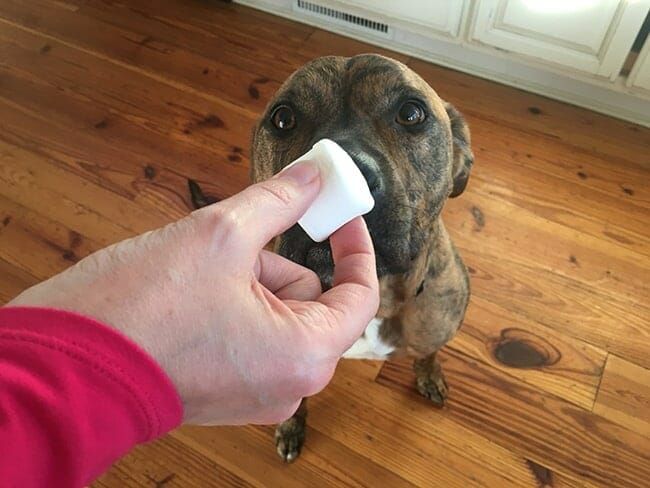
x: 462, y: 156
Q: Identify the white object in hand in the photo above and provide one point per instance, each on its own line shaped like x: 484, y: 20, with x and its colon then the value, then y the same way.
x: 344, y: 193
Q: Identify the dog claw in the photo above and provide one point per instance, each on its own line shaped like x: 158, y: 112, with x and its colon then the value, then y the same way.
x: 287, y: 453
x: 289, y: 438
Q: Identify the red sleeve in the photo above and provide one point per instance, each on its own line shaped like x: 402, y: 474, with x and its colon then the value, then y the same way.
x: 75, y: 396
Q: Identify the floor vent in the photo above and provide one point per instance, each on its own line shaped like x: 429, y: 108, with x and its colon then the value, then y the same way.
x: 343, y: 18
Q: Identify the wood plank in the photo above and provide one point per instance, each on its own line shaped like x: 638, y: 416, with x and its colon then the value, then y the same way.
x: 210, y: 125
x: 140, y: 139
x: 116, y: 477
x: 577, y: 190
x: 104, y: 216
x: 169, y: 462
x: 246, y: 26
x: 37, y: 245
x: 600, y: 215
x: 412, y: 438
x: 249, y: 452
x: 541, y: 357
x: 624, y: 395
x: 115, y: 168
x: 579, y: 128
x: 132, y: 125
x: 103, y: 114
x: 594, y: 270
x: 212, y: 33
x: 581, y: 169
x: 153, y: 57
x: 571, y: 308
x: 542, y: 428
x: 508, y: 225
x: 13, y: 280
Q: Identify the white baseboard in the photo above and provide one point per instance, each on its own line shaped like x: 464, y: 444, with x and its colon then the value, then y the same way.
x: 615, y: 99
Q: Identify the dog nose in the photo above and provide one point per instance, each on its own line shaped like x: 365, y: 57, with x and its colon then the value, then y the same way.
x: 372, y: 177
x: 370, y: 171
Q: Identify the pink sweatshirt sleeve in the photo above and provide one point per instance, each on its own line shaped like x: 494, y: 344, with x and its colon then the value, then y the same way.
x: 75, y: 396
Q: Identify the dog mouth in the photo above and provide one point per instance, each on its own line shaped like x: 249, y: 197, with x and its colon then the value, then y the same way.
x: 393, y: 255
x: 317, y: 256
x: 319, y: 259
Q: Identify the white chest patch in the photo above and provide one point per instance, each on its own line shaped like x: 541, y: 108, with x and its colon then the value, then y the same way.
x: 370, y: 345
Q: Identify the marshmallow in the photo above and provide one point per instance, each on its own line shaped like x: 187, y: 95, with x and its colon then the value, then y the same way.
x: 344, y: 193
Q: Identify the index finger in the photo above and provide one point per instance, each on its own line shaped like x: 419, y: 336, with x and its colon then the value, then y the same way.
x: 354, y: 299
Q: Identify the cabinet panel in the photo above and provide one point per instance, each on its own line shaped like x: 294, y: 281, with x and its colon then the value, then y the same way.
x: 582, y: 29
x: 443, y: 16
x: 588, y: 35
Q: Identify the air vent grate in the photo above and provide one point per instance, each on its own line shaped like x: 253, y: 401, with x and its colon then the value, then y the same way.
x: 343, y: 18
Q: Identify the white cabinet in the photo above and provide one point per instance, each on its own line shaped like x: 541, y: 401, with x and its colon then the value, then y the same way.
x: 592, y: 36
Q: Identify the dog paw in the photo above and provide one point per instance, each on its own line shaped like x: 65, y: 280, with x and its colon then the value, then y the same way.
x: 289, y: 438
x: 430, y: 380
x: 434, y: 388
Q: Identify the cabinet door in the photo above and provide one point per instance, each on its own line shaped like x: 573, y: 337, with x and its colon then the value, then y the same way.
x: 593, y: 36
x: 441, y: 16
x: 640, y: 74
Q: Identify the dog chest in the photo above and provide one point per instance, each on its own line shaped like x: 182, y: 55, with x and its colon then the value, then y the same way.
x: 370, y: 345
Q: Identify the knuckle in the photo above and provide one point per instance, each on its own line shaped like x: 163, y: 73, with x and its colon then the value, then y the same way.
x: 224, y: 226
x: 278, y: 193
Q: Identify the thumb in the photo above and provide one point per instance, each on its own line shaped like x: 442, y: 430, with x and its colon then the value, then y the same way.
x: 265, y: 210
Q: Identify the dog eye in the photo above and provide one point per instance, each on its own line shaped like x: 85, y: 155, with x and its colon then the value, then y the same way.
x: 283, y: 118
x: 411, y: 113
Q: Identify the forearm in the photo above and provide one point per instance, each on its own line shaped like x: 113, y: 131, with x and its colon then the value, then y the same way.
x: 76, y: 396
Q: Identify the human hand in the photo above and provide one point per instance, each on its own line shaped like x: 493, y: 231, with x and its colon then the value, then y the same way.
x: 243, y: 333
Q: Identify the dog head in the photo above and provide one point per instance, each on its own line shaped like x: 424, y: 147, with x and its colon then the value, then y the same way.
x: 411, y: 146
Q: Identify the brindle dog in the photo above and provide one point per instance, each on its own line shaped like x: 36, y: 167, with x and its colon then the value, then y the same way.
x: 414, y: 151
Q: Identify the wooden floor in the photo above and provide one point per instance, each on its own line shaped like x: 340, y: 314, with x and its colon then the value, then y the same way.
x: 107, y: 107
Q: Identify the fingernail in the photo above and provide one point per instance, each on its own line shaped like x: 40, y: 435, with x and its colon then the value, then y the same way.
x: 302, y: 173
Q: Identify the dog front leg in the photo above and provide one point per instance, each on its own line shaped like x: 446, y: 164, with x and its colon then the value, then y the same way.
x: 290, y: 434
